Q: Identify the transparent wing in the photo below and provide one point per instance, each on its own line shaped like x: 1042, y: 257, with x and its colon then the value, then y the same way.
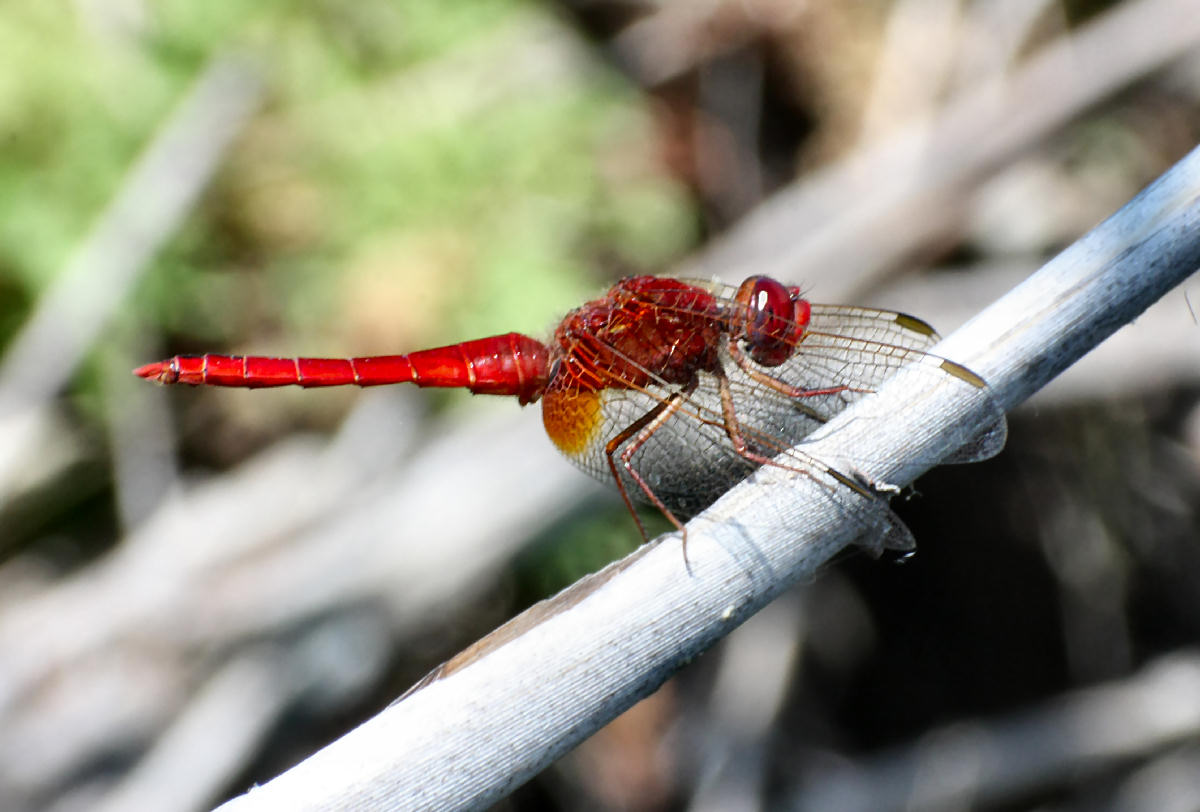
x: 859, y: 348
x: 844, y: 355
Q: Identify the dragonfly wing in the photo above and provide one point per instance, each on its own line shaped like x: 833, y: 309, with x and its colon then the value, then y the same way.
x: 772, y: 428
x: 872, y: 324
x: 869, y: 345
x: 882, y: 530
x: 991, y: 439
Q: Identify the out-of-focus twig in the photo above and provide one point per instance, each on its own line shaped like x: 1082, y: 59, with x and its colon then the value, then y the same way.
x: 1168, y: 783
x: 153, y: 199
x: 842, y: 228
x: 158, y: 192
x: 969, y: 765
x: 914, y: 64
x: 211, y: 740
x: 756, y: 670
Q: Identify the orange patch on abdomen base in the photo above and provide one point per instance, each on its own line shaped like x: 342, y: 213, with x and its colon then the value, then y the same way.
x: 571, y: 419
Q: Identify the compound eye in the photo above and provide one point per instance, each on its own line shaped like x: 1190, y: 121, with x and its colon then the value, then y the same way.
x: 767, y: 320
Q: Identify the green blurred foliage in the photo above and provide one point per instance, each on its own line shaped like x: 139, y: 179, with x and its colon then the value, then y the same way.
x: 419, y: 172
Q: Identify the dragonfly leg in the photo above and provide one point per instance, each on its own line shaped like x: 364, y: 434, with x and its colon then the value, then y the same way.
x: 887, y: 532
x: 733, y: 426
x: 733, y: 429
x: 641, y: 430
x: 786, y: 389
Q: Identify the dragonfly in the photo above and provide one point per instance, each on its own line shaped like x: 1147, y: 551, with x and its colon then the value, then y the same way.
x: 674, y: 390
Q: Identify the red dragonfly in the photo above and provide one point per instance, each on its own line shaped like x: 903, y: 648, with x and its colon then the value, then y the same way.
x: 674, y: 390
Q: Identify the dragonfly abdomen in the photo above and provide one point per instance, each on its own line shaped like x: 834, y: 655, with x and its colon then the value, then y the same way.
x: 510, y: 364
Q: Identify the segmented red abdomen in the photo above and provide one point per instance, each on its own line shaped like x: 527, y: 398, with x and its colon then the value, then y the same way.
x: 510, y: 364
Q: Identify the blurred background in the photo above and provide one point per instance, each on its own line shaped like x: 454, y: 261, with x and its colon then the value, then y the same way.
x: 199, y: 588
